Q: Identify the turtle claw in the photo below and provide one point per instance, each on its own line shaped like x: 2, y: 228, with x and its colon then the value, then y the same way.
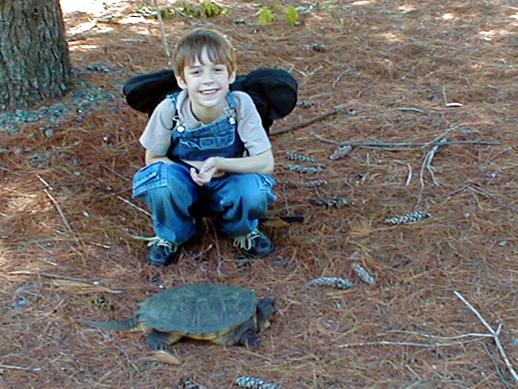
x: 254, y: 344
x: 250, y: 340
x: 158, y: 341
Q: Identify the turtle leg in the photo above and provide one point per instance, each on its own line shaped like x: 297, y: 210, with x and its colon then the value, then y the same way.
x: 245, y: 335
x: 160, y: 341
x: 249, y: 339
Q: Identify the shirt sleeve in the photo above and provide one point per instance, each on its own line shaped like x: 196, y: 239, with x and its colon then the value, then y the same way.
x: 250, y: 127
x: 157, y: 135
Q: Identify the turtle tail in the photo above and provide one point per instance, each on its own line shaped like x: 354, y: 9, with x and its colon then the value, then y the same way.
x: 117, y: 325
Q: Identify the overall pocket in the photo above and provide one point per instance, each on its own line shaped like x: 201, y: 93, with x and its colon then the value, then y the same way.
x: 266, y: 182
x: 209, y: 142
x: 149, y: 177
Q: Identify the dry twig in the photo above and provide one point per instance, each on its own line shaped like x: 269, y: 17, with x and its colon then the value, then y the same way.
x: 304, y: 123
x: 164, y: 37
x: 398, y: 146
x: 405, y: 343
x: 58, y: 208
x: 65, y: 278
x: 29, y: 369
x: 409, y: 177
x: 495, y: 334
x: 134, y: 206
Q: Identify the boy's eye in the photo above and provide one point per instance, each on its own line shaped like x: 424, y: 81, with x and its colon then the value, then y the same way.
x: 219, y: 69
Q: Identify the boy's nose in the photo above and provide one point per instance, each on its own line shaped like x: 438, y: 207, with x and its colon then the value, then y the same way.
x: 208, y: 80
x: 207, y: 77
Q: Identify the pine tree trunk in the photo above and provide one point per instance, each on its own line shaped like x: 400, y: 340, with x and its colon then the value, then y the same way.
x: 34, y: 57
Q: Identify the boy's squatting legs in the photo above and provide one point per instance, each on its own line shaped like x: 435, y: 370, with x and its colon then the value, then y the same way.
x: 240, y: 199
x: 169, y: 192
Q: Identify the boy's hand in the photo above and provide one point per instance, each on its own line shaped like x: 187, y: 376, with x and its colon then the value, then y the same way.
x: 206, y: 172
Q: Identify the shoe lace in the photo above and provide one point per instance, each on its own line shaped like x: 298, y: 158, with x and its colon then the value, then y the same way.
x: 246, y: 242
x: 156, y: 241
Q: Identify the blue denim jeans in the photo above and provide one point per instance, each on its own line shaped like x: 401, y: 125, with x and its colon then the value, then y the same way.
x: 239, y: 200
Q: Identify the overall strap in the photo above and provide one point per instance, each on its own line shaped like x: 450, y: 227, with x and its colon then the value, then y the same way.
x: 231, y: 100
x: 174, y: 98
x: 231, y: 110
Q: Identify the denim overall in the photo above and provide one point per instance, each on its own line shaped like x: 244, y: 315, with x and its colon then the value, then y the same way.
x: 239, y: 200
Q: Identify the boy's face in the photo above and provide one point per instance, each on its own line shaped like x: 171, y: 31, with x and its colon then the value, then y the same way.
x: 207, y: 84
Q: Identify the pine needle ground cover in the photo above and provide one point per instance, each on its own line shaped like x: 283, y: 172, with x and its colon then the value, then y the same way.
x: 424, y: 93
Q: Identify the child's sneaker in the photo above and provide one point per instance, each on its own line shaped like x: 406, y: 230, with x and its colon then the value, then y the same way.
x: 254, y: 244
x: 161, y: 252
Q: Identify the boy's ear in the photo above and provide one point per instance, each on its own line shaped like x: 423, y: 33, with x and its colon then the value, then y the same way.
x: 232, y: 77
x: 181, y: 83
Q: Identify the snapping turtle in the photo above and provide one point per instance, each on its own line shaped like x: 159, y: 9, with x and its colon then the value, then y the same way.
x: 221, y: 314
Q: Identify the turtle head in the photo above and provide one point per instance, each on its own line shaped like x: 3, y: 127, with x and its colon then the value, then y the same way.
x: 265, y: 311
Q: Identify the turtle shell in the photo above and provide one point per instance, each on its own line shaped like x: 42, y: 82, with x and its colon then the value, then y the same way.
x: 199, y: 309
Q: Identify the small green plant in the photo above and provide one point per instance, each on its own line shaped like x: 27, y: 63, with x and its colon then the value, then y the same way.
x: 206, y: 9
x: 292, y: 16
x: 265, y: 16
x: 277, y: 7
x: 144, y: 10
x: 187, y: 9
x: 147, y: 10
x: 166, y: 12
x: 210, y: 8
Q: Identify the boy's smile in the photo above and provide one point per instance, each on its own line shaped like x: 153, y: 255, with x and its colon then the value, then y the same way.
x: 207, y: 84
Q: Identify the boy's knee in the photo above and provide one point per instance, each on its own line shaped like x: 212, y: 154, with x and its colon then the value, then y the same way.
x: 256, y: 189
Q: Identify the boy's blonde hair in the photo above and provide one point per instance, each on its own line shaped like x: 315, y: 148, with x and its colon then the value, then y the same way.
x: 189, y: 49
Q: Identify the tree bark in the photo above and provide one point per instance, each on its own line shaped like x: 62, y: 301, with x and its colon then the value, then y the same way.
x: 34, y: 56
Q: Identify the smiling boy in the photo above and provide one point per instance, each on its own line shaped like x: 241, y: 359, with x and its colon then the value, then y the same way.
x: 205, y: 149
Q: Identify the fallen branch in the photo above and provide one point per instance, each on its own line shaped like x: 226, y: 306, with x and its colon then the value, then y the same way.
x: 411, y: 109
x: 497, y: 368
x: 427, y: 164
x: 477, y: 189
x: 436, y: 143
x: 117, y: 174
x: 164, y: 37
x: 325, y: 115
x: 429, y: 157
x: 473, y: 186
x: 405, y: 343
x: 409, y: 177
x: 29, y: 369
x: 494, y: 334
x: 134, y: 206
x: 65, y: 278
x: 58, y: 208
x: 375, y: 144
